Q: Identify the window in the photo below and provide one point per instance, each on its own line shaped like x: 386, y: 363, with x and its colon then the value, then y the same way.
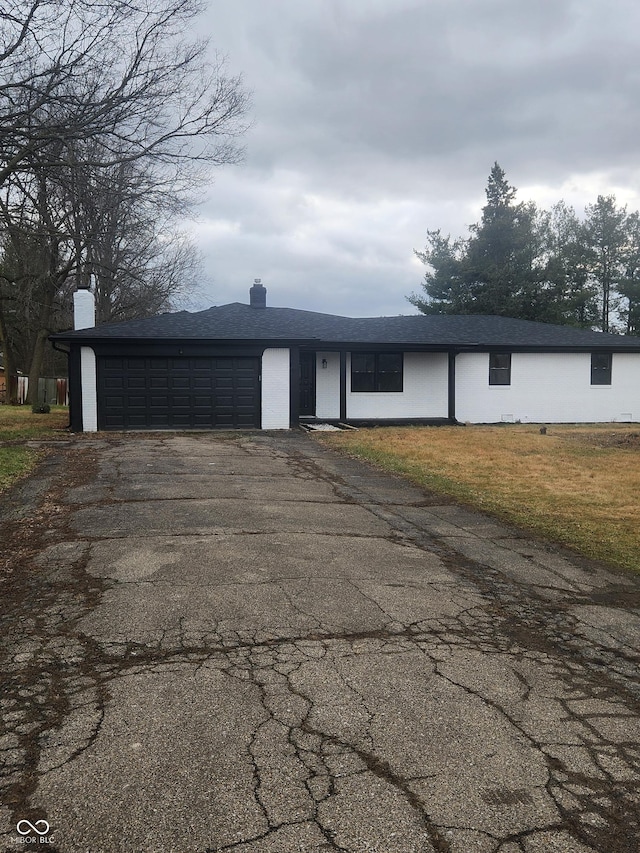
x: 601, y: 368
x: 499, y: 368
x: 376, y: 371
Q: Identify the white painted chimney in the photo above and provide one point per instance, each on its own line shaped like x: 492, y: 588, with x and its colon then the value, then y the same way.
x: 84, y: 309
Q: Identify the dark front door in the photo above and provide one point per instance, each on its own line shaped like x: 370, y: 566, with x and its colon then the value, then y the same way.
x: 178, y: 393
x: 307, y: 384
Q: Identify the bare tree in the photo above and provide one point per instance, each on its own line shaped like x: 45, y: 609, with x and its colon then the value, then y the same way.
x: 108, y: 118
x: 74, y: 70
x: 37, y: 258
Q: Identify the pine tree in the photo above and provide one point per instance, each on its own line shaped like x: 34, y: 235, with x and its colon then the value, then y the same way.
x: 606, y: 242
x: 493, y: 271
x: 519, y: 261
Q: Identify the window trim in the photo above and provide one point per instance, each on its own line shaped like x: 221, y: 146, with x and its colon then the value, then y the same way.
x: 601, y: 376
x: 499, y: 372
x: 377, y: 372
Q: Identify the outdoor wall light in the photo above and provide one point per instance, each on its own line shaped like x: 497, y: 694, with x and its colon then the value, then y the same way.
x: 324, y: 363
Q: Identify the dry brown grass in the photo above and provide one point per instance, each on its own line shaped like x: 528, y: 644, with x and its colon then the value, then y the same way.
x: 578, y: 485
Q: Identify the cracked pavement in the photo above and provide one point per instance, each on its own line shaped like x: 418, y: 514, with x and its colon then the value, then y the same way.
x: 251, y: 644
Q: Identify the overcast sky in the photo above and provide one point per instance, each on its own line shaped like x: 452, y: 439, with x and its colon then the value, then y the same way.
x: 375, y: 120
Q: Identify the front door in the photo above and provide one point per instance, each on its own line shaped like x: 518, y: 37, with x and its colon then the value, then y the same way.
x: 308, y: 384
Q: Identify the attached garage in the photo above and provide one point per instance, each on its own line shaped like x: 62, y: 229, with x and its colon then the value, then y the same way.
x: 178, y: 393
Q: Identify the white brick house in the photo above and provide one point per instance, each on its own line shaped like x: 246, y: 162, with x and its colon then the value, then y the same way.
x: 250, y: 366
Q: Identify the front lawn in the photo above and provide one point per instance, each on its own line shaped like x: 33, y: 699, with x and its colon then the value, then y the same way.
x: 18, y: 424
x: 577, y: 485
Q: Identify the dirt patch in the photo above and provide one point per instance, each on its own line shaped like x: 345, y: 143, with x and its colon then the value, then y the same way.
x: 602, y: 438
x: 30, y: 507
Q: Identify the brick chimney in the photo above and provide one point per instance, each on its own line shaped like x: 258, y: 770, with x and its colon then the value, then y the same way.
x: 258, y: 294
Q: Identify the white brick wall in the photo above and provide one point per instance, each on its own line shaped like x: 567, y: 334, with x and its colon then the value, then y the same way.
x: 275, y: 389
x: 89, y: 389
x: 84, y: 309
x: 547, y: 388
x: 424, y: 393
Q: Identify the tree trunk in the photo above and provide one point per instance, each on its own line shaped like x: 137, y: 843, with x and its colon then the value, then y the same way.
x: 35, y: 370
x: 9, y: 362
x: 37, y: 356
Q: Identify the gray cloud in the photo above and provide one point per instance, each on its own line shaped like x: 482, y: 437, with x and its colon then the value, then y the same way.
x: 375, y: 120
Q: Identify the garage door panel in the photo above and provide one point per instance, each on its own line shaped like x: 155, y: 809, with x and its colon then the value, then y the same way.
x: 114, y: 382
x: 223, y: 381
x: 179, y: 393
x: 135, y: 382
x: 114, y: 363
x: 179, y: 382
x: 159, y: 382
x: 136, y: 400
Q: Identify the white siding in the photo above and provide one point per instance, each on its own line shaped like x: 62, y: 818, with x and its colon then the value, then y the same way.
x: 275, y: 389
x: 547, y: 388
x: 89, y: 389
x: 424, y: 393
x: 328, y: 386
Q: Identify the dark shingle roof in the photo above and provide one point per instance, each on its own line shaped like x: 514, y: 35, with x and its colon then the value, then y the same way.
x: 237, y: 322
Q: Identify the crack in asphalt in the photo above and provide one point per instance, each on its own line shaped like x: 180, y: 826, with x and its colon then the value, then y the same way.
x: 54, y: 669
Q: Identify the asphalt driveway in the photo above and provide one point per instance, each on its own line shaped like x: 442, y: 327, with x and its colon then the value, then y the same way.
x: 251, y: 644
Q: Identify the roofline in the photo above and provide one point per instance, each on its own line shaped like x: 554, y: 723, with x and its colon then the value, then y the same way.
x: 320, y: 344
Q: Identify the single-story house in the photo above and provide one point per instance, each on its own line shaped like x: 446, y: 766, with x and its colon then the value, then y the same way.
x: 252, y: 366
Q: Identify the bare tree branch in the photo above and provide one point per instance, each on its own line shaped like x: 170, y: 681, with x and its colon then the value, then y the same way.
x: 109, y: 118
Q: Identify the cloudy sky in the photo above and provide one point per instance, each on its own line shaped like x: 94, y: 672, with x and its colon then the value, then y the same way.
x: 375, y: 120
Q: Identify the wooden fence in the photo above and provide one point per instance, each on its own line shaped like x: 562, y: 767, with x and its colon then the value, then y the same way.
x: 55, y: 392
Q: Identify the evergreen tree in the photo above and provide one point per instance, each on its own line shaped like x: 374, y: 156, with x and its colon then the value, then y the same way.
x: 519, y: 261
x: 444, y: 292
x: 629, y: 284
x: 573, y: 296
x: 606, y: 250
x: 495, y: 270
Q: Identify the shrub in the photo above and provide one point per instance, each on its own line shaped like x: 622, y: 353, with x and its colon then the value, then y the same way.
x: 41, y: 408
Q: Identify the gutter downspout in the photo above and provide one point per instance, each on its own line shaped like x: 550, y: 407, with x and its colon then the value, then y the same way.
x: 67, y: 353
x: 343, y: 385
x: 452, y: 386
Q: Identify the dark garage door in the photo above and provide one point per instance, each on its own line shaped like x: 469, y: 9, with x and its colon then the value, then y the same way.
x: 178, y: 393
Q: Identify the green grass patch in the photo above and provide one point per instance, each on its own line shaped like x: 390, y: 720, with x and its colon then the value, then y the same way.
x: 15, y: 463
